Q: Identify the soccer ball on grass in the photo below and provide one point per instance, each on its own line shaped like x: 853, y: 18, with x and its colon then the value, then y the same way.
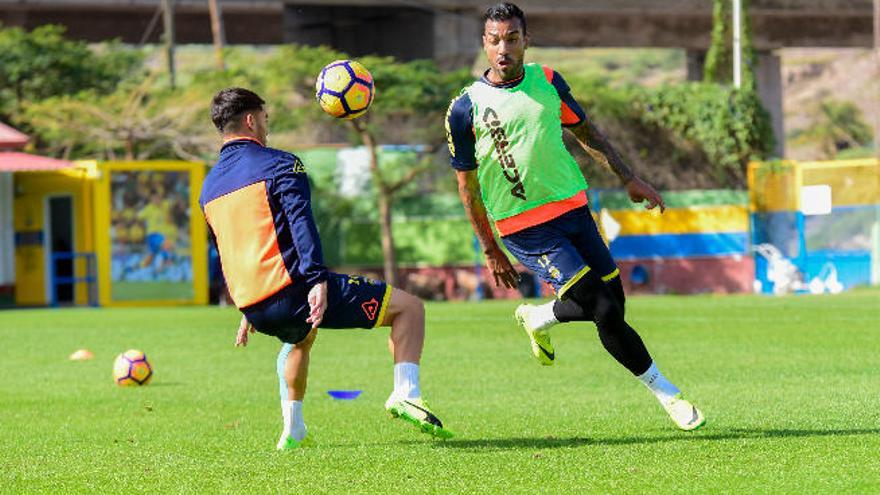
x: 131, y: 368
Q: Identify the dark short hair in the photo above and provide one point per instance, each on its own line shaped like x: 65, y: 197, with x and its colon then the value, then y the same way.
x: 230, y: 104
x: 503, y: 12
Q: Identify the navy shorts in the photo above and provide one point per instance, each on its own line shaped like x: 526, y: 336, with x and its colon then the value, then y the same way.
x: 563, y: 250
x: 155, y: 241
x: 352, y: 302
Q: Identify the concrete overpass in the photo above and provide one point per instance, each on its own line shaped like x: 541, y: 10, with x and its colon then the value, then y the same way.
x: 444, y: 28
x: 448, y: 30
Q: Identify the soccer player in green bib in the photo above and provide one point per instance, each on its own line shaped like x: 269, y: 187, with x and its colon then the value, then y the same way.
x: 505, y: 141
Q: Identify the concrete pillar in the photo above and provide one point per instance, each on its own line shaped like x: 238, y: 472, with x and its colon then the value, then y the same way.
x: 456, y: 38
x: 768, y: 76
x: 7, y: 235
x: 696, y: 62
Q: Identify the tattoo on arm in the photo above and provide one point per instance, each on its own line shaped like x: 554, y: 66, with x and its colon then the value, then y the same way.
x: 469, y: 193
x: 593, y: 141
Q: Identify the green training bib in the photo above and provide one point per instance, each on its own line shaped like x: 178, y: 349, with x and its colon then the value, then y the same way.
x: 522, y: 161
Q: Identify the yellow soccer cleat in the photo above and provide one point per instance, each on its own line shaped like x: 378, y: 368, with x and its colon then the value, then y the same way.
x: 539, y: 338
x: 684, y: 414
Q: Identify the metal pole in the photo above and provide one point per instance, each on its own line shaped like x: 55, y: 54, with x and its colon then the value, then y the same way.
x: 168, y: 36
x: 737, y: 48
x: 217, y: 31
x: 877, y: 78
x: 875, y: 231
x: 53, y: 287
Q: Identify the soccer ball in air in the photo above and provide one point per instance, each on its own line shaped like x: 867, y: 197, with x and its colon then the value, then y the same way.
x: 131, y: 368
x: 344, y: 89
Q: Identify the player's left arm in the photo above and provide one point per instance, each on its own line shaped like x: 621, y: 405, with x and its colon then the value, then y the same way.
x: 244, y: 327
x: 592, y: 139
x: 589, y: 136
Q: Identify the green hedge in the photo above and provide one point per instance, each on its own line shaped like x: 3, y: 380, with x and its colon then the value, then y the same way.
x: 729, y: 125
x: 673, y: 132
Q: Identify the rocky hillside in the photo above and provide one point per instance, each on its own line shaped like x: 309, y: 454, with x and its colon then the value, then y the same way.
x: 811, y: 76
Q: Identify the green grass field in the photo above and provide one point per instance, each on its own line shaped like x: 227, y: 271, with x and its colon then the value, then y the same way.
x: 152, y: 291
x: 790, y: 387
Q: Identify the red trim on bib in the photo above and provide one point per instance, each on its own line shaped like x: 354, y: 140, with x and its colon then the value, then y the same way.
x: 540, y: 214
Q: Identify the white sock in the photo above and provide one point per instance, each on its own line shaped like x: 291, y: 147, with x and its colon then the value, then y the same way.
x: 292, y: 411
x: 662, y: 388
x: 406, y: 381
x: 542, y: 317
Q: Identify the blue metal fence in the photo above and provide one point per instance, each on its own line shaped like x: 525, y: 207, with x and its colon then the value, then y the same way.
x: 90, y: 278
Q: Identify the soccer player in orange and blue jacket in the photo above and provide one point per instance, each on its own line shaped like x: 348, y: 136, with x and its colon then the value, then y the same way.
x: 257, y: 203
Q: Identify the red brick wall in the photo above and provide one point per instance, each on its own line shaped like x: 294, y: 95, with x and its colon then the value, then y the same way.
x: 724, y: 275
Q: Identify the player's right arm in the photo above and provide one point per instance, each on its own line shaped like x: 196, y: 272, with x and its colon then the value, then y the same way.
x: 460, y: 136
x: 496, y: 260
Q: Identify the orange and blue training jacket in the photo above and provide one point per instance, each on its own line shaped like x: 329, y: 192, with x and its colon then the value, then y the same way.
x: 258, y: 206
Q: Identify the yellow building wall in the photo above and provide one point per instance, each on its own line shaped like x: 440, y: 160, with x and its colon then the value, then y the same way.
x: 852, y: 182
x: 691, y: 220
x: 774, y: 186
x: 29, y: 202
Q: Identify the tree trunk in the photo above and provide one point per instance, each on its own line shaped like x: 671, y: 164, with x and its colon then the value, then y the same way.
x: 217, y: 32
x: 388, y: 254
x: 129, y: 146
x: 169, y: 39
x: 385, y: 200
x: 877, y: 77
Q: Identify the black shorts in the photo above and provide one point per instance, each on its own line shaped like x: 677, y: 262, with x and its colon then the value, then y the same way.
x: 352, y: 302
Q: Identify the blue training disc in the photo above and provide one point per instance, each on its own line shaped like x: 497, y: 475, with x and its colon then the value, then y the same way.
x: 344, y: 394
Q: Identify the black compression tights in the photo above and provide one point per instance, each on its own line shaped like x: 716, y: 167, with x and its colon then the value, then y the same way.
x: 591, y: 299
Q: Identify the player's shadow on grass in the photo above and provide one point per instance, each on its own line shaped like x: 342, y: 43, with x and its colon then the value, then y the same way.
x: 732, y: 434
